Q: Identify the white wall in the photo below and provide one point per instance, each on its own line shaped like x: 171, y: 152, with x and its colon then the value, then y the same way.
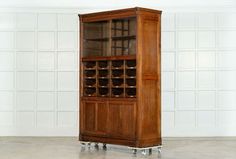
x: 38, y: 72
x: 88, y: 4
x: 199, y: 74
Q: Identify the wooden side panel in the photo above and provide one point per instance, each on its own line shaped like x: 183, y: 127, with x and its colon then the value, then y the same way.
x: 150, y: 102
x: 149, y: 80
x: 122, y: 120
x: 149, y: 57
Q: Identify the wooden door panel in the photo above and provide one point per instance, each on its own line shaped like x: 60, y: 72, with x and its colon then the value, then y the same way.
x: 89, y: 116
x: 94, y: 118
x: 102, y: 117
x: 122, y: 119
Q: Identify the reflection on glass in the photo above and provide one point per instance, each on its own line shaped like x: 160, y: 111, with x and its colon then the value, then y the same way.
x: 123, y: 36
x: 96, y: 39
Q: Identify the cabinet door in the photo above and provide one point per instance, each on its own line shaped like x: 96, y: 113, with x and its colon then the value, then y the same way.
x: 94, y: 117
x: 122, y: 119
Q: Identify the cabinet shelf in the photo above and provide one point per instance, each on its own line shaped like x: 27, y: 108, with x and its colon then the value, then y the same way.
x: 114, y: 78
x: 130, y: 77
x: 90, y: 77
x: 117, y: 87
x: 103, y: 95
x: 120, y: 47
x: 121, y: 29
x: 130, y: 68
x: 90, y: 86
x: 131, y: 96
x: 96, y: 39
x: 113, y: 38
x: 91, y: 95
x: 130, y: 86
x: 103, y: 68
x: 117, y: 77
x: 103, y: 86
x: 117, y: 68
x: 108, y: 58
x: 88, y: 69
x: 124, y: 37
x: 103, y: 77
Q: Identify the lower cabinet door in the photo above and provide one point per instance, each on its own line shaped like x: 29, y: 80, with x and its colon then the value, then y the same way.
x: 94, y: 116
x: 121, y: 119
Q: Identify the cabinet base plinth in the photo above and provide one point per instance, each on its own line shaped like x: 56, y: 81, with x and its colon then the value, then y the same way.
x: 124, y: 142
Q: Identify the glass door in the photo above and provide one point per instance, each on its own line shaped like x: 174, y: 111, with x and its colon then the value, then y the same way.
x: 123, y: 36
x: 95, y: 39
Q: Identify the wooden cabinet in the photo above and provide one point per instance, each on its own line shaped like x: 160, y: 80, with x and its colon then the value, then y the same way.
x: 120, y: 77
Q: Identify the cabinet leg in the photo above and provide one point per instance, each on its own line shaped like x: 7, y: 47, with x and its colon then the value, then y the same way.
x: 159, y: 150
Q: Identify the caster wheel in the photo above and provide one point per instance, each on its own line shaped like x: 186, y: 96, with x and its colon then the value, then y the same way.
x: 150, y: 151
x: 89, y: 145
x: 159, y: 149
x: 83, y: 144
x: 144, y: 152
x: 134, y: 151
x: 104, y: 147
x: 96, y: 146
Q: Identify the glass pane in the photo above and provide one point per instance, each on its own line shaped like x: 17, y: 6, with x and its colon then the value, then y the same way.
x: 96, y: 39
x: 124, y: 27
x: 123, y: 36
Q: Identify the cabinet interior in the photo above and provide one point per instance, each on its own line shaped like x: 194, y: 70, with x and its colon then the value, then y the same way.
x: 110, y: 78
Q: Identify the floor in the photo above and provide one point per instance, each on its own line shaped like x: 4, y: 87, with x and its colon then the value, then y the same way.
x: 69, y: 148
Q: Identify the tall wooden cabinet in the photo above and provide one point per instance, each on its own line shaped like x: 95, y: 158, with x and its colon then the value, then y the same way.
x: 120, y: 77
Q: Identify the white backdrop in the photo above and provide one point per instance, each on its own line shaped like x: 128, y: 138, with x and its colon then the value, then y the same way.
x: 199, y: 74
x: 38, y: 72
